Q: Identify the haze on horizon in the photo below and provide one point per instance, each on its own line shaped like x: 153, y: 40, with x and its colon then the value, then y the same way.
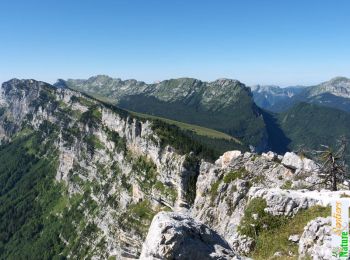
x: 272, y: 42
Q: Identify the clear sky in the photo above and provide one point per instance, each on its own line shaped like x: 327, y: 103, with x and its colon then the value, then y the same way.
x: 283, y: 42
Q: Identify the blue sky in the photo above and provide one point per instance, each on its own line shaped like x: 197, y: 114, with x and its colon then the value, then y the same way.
x: 257, y: 42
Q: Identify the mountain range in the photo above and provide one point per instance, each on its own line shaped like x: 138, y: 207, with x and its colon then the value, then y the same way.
x: 260, y: 117
x: 333, y: 93
x: 224, y: 105
x: 84, y: 179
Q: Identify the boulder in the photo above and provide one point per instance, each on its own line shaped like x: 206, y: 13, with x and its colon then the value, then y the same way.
x: 295, y: 162
x: 271, y: 156
x: 294, y: 238
x: 225, y: 160
x: 309, y: 165
x: 178, y: 236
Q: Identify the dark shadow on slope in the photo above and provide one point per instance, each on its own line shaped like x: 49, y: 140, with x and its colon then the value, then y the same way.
x: 277, y: 140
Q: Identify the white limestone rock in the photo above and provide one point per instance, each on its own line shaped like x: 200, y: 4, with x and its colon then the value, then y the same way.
x: 177, y: 236
x: 295, y: 162
x: 316, y: 240
x: 294, y: 238
x: 283, y: 202
x: 226, y: 159
x: 271, y: 156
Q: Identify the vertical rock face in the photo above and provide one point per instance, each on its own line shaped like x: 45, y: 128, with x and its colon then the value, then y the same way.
x: 177, y: 236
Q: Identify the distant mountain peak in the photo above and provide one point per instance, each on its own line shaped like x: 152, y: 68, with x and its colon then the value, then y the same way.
x: 339, y: 79
x: 226, y: 81
x: 338, y: 86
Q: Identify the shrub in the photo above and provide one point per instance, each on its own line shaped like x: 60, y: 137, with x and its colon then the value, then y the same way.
x: 287, y: 185
x: 214, y: 189
x: 233, y: 175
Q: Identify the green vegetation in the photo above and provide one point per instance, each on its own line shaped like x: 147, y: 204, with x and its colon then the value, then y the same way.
x: 92, y: 117
x: 27, y: 196
x: 175, y: 137
x: 310, y: 126
x: 35, y: 211
x: 273, y: 240
x: 240, y: 120
x: 214, y: 189
x: 2, y: 111
x: 205, y: 142
x: 82, y: 100
x: 145, y: 172
x: 287, y: 185
x: 93, y: 143
x: 45, y: 97
x: 167, y: 191
x: 69, y: 134
x: 270, y: 232
x: 233, y: 175
x: 138, y: 217
x: 120, y: 142
x: 199, y: 130
x: 227, y: 178
x: 190, y: 194
x: 255, y: 219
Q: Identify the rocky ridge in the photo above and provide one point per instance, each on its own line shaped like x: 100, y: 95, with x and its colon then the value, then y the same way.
x: 124, y: 174
x: 333, y: 93
x: 339, y: 86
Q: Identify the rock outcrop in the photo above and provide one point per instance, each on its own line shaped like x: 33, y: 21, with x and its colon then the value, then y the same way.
x: 224, y: 190
x: 316, y: 240
x: 297, y: 163
x: 177, y: 236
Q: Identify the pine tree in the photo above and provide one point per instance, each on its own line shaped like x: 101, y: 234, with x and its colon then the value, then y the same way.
x: 333, y: 168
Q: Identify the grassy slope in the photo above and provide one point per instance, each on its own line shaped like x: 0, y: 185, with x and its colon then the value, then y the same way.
x: 277, y: 240
x: 199, y: 130
x: 271, y: 233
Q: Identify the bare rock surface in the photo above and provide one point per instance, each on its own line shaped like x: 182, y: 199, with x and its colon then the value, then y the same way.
x: 295, y: 162
x: 177, y: 236
x: 316, y: 240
